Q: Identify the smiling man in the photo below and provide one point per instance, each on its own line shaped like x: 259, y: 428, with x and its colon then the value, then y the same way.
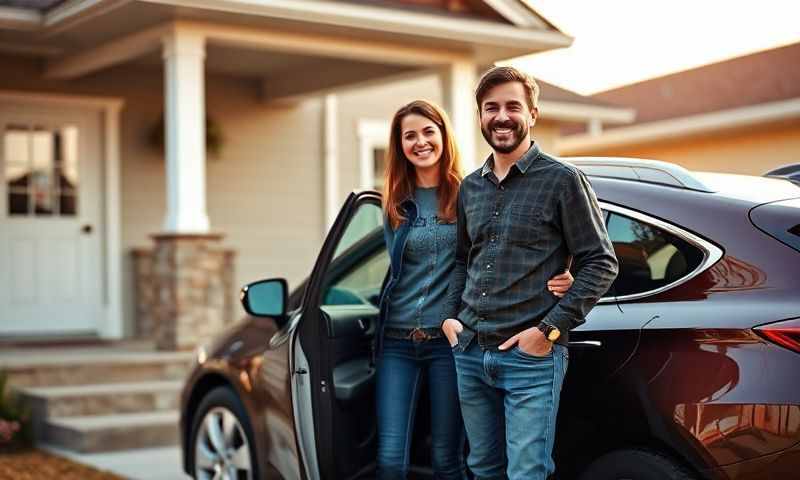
x: 520, y: 219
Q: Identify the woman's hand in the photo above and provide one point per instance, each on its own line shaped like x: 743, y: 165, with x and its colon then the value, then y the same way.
x: 559, y: 284
x: 451, y: 328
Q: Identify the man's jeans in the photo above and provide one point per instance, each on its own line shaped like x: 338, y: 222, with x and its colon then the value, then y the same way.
x: 509, y: 401
x: 402, y: 367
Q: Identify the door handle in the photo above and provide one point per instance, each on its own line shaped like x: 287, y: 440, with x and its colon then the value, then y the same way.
x: 86, y: 229
x: 586, y: 344
x: 363, y: 324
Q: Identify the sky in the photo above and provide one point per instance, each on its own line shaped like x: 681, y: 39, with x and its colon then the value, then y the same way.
x: 618, y: 42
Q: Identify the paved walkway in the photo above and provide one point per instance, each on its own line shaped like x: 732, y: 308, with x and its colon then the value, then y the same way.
x: 142, y: 464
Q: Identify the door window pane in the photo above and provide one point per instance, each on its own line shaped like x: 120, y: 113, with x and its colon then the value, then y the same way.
x: 356, y: 273
x: 362, y: 283
x: 367, y: 220
x: 41, y: 170
x: 649, y: 257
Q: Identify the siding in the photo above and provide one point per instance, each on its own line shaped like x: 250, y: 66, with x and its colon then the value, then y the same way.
x: 264, y: 192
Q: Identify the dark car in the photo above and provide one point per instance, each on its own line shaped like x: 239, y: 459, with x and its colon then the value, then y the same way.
x: 689, y: 368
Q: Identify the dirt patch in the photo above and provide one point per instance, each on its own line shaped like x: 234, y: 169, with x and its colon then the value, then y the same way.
x: 37, y: 465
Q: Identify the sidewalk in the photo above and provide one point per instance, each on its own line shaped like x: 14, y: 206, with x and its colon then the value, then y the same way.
x: 142, y: 464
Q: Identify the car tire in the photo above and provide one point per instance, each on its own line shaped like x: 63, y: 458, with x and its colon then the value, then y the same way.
x: 635, y: 464
x: 221, y: 407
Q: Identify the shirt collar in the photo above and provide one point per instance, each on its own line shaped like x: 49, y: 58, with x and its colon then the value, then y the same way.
x: 522, y: 164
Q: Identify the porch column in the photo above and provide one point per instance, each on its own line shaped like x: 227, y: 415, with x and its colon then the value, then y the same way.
x: 459, y: 80
x: 185, y: 286
x: 185, y: 132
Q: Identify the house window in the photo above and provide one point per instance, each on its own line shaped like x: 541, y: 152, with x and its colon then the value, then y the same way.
x: 373, y: 139
x: 379, y: 167
x: 41, y: 170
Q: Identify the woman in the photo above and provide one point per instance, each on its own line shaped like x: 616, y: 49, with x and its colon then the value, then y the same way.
x: 420, y: 190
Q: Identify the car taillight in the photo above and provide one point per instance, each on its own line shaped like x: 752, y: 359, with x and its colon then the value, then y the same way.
x: 785, y: 334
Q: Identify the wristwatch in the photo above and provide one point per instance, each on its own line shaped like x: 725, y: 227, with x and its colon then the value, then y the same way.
x: 550, y: 332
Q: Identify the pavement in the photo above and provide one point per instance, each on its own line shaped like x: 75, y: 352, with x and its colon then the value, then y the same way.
x: 140, y: 464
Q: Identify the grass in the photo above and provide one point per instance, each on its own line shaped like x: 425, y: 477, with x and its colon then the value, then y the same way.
x: 35, y: 464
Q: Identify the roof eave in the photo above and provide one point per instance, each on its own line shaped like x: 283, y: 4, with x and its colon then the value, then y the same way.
x: 579, y: 112
x: 398, y: 21
x: 499, y: 40
x: 682, y: 127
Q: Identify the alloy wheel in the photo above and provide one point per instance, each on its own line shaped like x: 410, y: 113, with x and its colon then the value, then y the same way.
x: 221, y: 450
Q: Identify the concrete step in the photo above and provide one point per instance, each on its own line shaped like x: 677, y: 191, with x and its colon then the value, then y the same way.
x: 47, y: 368
x: 102, y: 399
x: 105, y: 433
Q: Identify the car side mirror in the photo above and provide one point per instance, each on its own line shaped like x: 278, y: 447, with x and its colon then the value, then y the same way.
x: 266, y: 298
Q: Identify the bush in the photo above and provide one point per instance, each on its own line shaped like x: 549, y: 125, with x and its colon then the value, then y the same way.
x: 15, y: 425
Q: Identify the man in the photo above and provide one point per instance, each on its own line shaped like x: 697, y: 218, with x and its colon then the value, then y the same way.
x: 520, y: 219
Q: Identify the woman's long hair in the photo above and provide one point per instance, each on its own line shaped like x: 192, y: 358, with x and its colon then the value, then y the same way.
x: 400, y: 177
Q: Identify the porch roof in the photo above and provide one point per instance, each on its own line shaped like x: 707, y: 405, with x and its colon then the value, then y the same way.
x: 485, y: 30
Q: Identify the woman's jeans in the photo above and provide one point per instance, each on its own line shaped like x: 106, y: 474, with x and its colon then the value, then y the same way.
x: 402, y: 367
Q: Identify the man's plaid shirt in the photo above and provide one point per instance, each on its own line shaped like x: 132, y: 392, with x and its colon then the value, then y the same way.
x: 514, y: 235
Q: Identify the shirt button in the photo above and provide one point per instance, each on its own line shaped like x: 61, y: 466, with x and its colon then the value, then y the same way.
x: 483, y: 294
x: 496, y: 213
x: 489, y: 265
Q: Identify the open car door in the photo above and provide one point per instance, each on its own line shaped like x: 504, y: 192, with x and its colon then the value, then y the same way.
x: 336, y: 332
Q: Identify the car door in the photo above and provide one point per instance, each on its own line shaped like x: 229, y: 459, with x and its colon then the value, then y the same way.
x: 599, y: 349
x: 339, y: 321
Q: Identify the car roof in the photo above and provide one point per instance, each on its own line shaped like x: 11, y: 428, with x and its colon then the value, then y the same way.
x: 658, y: 175
x: 748, y: 187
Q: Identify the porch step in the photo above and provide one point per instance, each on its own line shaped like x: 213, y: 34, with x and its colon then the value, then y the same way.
x: 48, y: 368
x: 104, y: 433
x: 102, y: 399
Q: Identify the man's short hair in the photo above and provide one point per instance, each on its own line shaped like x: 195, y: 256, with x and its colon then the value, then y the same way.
x: 500, y: 75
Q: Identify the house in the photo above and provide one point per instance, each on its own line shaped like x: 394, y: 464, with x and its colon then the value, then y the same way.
x: 740, y: 116
x: 155, y: 155
x: 117, y: 219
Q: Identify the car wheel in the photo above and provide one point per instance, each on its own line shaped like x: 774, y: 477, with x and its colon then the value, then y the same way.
x: 222, y: 440
x: 633, y: 464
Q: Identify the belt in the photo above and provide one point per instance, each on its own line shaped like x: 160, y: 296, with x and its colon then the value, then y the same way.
x: 416, y: 335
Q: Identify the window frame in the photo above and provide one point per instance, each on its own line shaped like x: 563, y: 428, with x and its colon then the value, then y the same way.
x: 711, y: 252
x: 372, y: 135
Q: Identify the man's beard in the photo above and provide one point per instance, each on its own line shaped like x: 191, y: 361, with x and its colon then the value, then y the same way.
x: 517, y: 135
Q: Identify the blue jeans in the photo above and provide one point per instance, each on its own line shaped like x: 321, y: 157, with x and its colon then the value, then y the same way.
x: 402, y: 367
x: 510, y: 400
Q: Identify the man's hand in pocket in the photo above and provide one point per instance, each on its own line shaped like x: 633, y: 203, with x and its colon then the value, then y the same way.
x: 451, y: 328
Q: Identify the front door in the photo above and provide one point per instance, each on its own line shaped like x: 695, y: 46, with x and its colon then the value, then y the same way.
x: 51, y: 247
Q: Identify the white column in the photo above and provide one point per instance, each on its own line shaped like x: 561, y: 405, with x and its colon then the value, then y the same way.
x: 459, y: 80
x: 185, y: 132
x: 114, y: 326
x: 594, y: 126
x: 331, y: 169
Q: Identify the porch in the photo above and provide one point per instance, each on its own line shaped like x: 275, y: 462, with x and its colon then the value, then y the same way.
x: 271, y: 79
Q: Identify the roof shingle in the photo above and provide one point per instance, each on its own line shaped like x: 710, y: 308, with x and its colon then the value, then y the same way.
x: 761, y: 77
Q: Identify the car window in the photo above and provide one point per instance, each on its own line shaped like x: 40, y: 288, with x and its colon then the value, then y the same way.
x: 366, y: 220
x: 649, y: 257
x: 360, y: 261
x: 361, y: 284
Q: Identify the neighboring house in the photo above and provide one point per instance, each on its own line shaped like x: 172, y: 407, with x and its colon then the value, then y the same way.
x: 740, y: 116
x: 301, y: 92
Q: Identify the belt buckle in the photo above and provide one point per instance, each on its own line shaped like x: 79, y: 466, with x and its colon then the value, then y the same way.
x: 418, y: 335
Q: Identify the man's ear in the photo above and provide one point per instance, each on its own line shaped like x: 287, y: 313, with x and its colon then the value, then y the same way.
x: 534, y: 115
